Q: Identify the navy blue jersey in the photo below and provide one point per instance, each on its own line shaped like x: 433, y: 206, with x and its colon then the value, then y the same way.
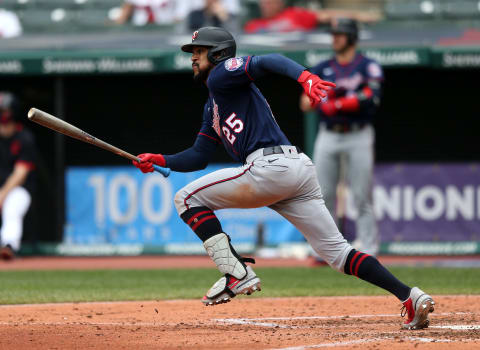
x: 237, y: 113
x: 353, y: 78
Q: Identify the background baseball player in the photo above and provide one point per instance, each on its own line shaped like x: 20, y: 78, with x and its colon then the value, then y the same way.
x: 274, y: 173
x: 346, y: 135
x: 17, y: 178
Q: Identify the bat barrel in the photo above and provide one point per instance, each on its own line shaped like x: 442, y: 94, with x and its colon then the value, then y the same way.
x: 61, y: 126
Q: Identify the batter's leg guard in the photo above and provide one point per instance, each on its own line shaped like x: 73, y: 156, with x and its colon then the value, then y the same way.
x: 238, y: 277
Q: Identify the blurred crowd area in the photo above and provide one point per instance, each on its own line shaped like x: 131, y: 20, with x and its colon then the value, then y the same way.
x: 25, y: 17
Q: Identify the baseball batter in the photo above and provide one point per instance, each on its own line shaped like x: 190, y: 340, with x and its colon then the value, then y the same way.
x: 346, y: 128
x: 274, y: 173
x: 17, y: 175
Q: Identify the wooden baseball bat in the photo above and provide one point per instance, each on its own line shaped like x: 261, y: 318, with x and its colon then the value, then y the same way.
x: 61, y: 126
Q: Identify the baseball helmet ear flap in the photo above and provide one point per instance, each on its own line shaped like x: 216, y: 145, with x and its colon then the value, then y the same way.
x: 222, y: 52
x: 352, y: 38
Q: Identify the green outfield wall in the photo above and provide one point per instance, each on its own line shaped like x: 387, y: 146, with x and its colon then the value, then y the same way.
x: 160, y: 61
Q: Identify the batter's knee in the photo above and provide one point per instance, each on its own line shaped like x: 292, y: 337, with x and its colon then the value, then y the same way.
x: 179, y: 200
x: 339, y: 263
x: 336, y: 255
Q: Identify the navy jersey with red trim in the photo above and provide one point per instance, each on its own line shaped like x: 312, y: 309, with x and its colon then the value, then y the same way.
x: 20, y: 148
x: 362, y: 77
x: 236, y: 112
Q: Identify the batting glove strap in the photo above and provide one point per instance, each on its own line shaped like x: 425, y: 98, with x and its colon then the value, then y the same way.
x: 145, y: 167
x: 157, y: 159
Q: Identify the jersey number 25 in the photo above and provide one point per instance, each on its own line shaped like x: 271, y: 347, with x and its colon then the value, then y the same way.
x: 235, y: 125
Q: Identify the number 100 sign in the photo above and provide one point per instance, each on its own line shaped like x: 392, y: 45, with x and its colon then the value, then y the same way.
x: 122, y: 199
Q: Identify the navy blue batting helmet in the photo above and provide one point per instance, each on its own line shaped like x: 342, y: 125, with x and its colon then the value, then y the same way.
x: 346, y: 26
x: 220, y: 42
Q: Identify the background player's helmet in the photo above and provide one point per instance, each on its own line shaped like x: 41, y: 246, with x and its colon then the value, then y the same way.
x: 345, y: 26
x: 221, y: 43
x: 9, y: 107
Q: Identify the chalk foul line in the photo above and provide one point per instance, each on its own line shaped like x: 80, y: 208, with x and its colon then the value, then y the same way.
x: 260, y: 321
x: 364, y: 341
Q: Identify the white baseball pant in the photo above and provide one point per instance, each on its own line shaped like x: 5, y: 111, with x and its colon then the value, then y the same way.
x: 285, y: 182
x: 14, y: 209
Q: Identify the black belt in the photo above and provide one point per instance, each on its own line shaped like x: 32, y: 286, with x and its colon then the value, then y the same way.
x: 344, y: 128
x: 277, y: 150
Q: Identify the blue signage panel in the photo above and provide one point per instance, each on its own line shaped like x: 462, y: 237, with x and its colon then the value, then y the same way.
x: 120, y: 205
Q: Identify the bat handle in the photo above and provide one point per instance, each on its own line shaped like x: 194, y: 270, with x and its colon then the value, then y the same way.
x: 164, y: 171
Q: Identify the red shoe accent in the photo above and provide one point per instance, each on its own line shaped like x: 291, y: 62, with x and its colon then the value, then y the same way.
x: 233, y: 282
x: 410, y: 311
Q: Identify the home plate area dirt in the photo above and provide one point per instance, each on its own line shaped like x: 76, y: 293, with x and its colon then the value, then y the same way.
x: 245, y: 323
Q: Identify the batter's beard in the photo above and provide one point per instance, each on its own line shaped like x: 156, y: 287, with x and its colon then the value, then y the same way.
x: 202, y: 75
x: 343, y: 49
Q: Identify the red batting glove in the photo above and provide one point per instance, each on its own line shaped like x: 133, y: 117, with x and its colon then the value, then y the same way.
x: 314, y: 87
x: 329, y: 108
x: 147, y: 161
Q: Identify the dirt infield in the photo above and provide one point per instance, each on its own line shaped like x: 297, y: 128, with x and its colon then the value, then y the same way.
x: 244, y: 323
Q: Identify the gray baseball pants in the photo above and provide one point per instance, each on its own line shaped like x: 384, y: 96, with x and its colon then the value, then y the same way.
x: 357, y: 147
x: 287, y: 183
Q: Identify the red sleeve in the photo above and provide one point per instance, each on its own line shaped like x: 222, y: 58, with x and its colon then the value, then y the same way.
x: 254, y: 25
x: 291, y: 19
x: 27, y: 151
x: 28, y: 165
x: 302, y: 18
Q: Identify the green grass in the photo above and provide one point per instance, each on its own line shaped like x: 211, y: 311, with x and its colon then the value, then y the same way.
x: 17, y: 287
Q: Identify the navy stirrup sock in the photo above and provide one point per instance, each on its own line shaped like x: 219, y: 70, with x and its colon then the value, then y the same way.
x: 369, y: 269
x: 202, y: 221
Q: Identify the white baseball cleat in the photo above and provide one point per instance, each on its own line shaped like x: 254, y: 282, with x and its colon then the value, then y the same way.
x: 417, y: 307
x: 227, y: 287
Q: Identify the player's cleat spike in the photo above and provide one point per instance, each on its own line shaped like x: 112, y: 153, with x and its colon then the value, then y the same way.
x: 417, y: 307
x: 228, y: 287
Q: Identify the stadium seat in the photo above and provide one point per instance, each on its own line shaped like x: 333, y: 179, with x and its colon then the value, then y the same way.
x: 9, y: 4
x: 103, y: 4
x: 91, y: 18
x: 22, y: 4
x: 53, y: 4
x: 409, y: 9
x: 461, y: 9
x: 39, y: 20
